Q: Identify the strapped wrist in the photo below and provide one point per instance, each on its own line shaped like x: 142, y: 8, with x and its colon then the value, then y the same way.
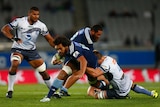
x: 13, y: 39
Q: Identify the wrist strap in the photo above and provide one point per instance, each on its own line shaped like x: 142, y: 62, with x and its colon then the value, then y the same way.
x: 13, y: 39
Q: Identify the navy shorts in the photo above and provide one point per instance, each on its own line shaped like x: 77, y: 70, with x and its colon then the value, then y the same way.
x: 28, y: 55
x: 111, y: 93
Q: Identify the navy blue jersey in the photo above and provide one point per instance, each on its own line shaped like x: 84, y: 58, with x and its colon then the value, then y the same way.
x: 83, y: 37
x: 76, y: 50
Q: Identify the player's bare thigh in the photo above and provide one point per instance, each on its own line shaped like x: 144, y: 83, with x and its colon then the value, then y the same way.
x: 63, y: 75
x: 36, y: 63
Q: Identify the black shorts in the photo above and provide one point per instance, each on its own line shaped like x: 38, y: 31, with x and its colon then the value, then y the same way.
x: 28, y: 55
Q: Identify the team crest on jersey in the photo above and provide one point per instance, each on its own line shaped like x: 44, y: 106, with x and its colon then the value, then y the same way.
x: 75, y: 54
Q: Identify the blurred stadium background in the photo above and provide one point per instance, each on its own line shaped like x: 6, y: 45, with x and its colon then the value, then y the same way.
x: 131, y: 28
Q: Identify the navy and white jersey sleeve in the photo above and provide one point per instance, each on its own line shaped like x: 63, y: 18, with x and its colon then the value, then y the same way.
x: 76, y: 50
x: 14, y: 23
x: 27, y: 33
x: 83, y: 37
x: 105, y: 67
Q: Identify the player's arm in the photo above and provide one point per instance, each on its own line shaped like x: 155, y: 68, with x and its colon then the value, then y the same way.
x: 94, y: 72
x: 6, y: 30
x: 49, y: 39
x: 83, y: 65
x: 97, y: 73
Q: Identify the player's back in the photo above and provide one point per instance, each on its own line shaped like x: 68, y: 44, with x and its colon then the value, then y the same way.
x: 83, y: 36
x: 121, y: 82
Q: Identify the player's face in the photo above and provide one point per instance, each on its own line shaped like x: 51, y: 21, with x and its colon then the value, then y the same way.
x: 96, y: 35
x: 62, y: 50
x: 33, y: 16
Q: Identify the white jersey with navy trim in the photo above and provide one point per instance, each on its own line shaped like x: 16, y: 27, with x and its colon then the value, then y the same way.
x: 27, y: 33
x: 83, y: 37
x: 121, y: 81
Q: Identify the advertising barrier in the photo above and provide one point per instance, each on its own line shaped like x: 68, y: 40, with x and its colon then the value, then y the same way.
x: 29, y: 76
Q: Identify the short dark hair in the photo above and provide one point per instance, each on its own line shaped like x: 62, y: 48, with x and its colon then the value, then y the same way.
x: 34, y: 8
x: 97, y: 54
x: 96, y: 28
x: 62, y: 40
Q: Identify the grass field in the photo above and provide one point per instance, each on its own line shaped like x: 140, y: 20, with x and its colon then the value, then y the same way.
x: 29, y: 96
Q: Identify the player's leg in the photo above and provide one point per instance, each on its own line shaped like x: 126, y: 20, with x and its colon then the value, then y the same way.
x: 57, y: 83
x: 40, y: 66
x: 96, y: 93
x: 74, y: 66
x: 16, y: 59
x: 103, y: 94
x: 139, y: 89
x: 35, y: 60
x: 69, y: 82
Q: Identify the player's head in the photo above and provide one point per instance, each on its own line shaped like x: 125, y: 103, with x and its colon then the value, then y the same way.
x: 33, y: 14
x: 99, y: 56
x: 62, y: 44
x: 96, y: 32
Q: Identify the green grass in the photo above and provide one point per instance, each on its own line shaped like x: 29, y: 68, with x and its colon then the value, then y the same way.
x: 29, y: 96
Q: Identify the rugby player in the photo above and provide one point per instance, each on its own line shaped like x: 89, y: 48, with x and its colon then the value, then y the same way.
x: 121, y: 83
x: 27, y: 29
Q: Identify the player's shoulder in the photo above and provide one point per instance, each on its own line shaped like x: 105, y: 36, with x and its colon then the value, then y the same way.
x: 108, y: 59
x: 20, y: 18
x: 40, y: 23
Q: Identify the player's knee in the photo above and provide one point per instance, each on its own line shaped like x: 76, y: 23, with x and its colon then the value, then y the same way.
x: 67, y: 69
x: 12, y: 73
x: 41, y: 68
x: 88, y: 91
x: 16, y: 57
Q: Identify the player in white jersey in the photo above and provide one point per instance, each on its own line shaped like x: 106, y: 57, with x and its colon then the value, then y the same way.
x: 121, y: 83
x: 27, y: 30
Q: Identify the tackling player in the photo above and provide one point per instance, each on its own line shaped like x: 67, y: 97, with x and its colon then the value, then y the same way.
x: 121, y: 83
x: 27, y: 30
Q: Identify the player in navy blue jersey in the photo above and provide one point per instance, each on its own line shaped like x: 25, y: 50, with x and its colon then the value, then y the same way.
x: 73, y: 52
x: 85, y: 36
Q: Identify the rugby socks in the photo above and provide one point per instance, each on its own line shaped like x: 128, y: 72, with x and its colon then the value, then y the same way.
x: 48, y: 83
x: 57, y: 83
x: 11, y: 80
x: 140, y: 89
x: 64, y: 89
x: 51, y: 91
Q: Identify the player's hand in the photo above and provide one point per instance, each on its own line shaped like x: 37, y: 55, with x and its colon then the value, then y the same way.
x: 56, y: 59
